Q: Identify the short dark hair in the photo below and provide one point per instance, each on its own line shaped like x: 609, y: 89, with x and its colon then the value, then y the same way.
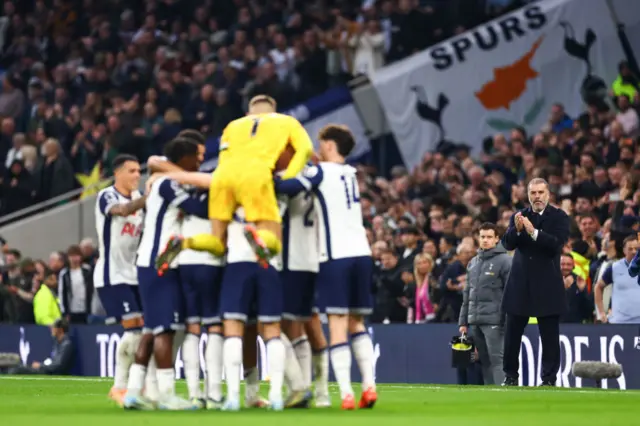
x: 74, y: 250
x: 632, y: 237
x: 179, y: 148
x: 121, y: 159
x: 192, y: 134
x: 16, y: 253
x: 488, y: 226
x: 341, y: 135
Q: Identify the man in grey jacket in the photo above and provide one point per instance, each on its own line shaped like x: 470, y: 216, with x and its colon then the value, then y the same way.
x: 487, y: 275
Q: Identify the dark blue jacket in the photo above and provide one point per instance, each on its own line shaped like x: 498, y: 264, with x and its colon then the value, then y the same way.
x: 535, y: 287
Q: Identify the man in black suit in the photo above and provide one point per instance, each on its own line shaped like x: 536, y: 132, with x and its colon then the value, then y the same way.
x: 535, y: 287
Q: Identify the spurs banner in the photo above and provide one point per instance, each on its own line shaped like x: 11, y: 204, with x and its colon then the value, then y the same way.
x: 504, y: 74
x: 403, y: 353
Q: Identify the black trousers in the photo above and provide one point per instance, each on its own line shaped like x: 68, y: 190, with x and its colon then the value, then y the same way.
x: 549, y: 328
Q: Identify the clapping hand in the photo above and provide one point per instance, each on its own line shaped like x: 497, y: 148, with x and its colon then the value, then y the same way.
x: 518, y: 222
x: 528, y: 226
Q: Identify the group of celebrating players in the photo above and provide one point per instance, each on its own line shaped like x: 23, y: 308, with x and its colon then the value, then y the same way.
x: 239, y: 253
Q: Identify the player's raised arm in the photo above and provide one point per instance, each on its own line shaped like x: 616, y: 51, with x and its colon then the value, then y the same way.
x: 160, y: 164
x: 301, y: 143
x: 171, y: 192
x: 197, y: 179
x: 308, y: 180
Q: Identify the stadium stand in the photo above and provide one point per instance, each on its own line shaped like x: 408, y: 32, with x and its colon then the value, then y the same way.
x: 93, y: 82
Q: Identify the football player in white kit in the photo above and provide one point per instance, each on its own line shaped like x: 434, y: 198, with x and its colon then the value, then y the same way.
x: 300, y: 265
x: 346, y: 267
x: 119, y: 225
x: 160, y: 289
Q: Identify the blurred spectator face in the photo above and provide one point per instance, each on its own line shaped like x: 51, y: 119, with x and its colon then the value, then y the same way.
x: 280, y: 42
x: 378, y: 223
x: 56, y: 262
x: 51, y: 148
x: 206, y: 93
x: 152, y: 95
x: 424, y: 264
x: 240, y: 37
x: 566, y: 265
x: 465, y: 253
x: 465, y: 225
x: 404, y: 6
x: 87, y: 248
x: 444, y: 246
x: 113, y: 123
x: 128, y: 175
x: 409, y: 239
x: 600, y: 176
x: 18, y: 140
x: 557, y: 114
x: 244, y: 16
x: 310, y: 40
x: 150, y: 110
x: 588, y: 227
x: 538, y: 196
x: 617, y: 130
x: 51, y: 281
x: 8, y: 126
x: 388, y: 260
x: 75, y: 260
x: 149, y: 23
x: 488, y: 239
x: 221, y: 97
x: 587, y: 162
x: 615, y: 175
x: 430, y: 248
x: 623, y: 103
x: 378, y: 248
x: 11, y: 260
x: 583, y: 205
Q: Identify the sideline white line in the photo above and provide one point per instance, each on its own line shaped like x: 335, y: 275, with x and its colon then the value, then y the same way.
x: 414, y: 387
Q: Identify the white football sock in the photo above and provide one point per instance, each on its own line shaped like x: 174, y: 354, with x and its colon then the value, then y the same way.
x: 320, y: 363
x: 341, y: 363
x: 124, y: 357
x: 213, y: 359
x: 362, y: 348
x: 166, y: 382
x: 151, y: 390
x: 191, y: 361
x: 232, y: 359
x: 178, y: 339
x: 275, y: 360
x: 252, y: 384
x: 302, y: 349
x: 136, y: 380
x: 292, y: 372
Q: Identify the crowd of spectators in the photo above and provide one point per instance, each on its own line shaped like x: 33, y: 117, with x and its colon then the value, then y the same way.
x: 423, y: 223
x: 85, y: 80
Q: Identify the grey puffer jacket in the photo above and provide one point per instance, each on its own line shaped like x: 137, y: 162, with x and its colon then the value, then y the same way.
x: 487, y: 274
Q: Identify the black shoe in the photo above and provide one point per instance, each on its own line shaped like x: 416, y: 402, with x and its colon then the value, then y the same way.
x: 510, y: 381
x: 548, y: 383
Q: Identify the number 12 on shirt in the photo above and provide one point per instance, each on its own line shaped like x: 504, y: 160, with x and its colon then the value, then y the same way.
x: 350, y: 189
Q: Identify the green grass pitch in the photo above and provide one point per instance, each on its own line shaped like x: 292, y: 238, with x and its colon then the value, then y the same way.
x: 53, y: 401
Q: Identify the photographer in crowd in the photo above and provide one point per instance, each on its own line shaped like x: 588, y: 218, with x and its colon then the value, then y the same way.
x: 487, y: 274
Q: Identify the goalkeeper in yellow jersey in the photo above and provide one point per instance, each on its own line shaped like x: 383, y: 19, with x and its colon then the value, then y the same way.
x: 249, y: 150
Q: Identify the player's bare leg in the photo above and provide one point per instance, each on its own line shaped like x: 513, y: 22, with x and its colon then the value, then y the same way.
x: 232, y: 359
x: 275, y: 359
x: 362, y: 348
x: 191, y: 360
x: 133, y: 399
x: 319, y: 360
x: 265, y: 239
x: 252, y: 396
x: 213, y: 360
x: 125, y: 357
x: 340, y: 354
